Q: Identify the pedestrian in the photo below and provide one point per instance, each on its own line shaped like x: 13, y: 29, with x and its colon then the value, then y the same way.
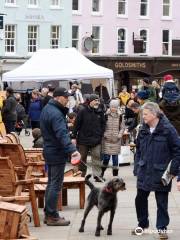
x: 111, y: 142
x: 57, y: 146
x: 88, y: 131
x: 157, y: 144
x: 170, y: 103
x: 142, y: 97
x: 9, y: 114
x: 147, y: 86
x: 76, y: 97
x: 124, y: 96
x: 48, y: 95
x: 35, y: 108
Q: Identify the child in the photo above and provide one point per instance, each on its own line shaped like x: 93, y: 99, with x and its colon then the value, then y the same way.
x: 38, y: 140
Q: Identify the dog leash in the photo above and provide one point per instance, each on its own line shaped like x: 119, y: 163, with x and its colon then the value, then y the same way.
x: 88, y: 167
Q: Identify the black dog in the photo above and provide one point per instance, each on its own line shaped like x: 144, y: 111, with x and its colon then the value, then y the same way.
x: 105, y: 200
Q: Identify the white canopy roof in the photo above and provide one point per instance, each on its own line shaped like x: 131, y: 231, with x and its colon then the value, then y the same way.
x: 57, y: 64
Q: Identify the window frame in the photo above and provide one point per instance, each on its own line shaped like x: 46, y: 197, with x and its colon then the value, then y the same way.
x: 57, y: 38
x: 169, y: 43
x: 99, y: 40
x: 79, y: 11
x: 37, y: 38
x: 57, y: 6
x: 10, y: 4
x: 170, y: 10
x: 147, y: 9
x: 126, y: 9
x: 13, y: 39
x: 96, y: 13
x: 126, y: 41
x: 33, y: 5
x: 78, y: 37
x: 146, y: 42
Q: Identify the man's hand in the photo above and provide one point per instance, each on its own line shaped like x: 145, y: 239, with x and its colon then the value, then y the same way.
x: 73, y: 141
x: 75, y: 158
x: 178, y: 186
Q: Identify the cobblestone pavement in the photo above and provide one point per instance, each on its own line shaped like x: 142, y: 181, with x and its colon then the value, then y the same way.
x: 125, y: 217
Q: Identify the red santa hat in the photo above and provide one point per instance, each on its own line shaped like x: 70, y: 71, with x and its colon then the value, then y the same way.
x: 168, y: 77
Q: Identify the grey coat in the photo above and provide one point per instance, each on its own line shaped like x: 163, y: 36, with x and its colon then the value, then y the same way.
x: 111, y: 142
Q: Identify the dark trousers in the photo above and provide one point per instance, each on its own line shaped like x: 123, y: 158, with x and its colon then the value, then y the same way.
x: 10, y: 126
x: 141, y: 203
x: 55, y: 181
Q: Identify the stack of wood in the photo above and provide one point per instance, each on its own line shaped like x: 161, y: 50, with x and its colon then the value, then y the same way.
x: 13, y: 222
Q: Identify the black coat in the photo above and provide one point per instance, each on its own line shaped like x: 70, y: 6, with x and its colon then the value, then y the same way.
x: 154, y: 152
x: 89, y: 126
x: 57, y: 142
x: 9, y: 109
x: 172, y: 112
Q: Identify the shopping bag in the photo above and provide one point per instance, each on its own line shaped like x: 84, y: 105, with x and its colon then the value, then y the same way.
x: 125, y: 156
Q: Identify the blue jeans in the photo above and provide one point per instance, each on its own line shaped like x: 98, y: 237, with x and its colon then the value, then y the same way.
x: 106, y: 158
x: 55, y: 181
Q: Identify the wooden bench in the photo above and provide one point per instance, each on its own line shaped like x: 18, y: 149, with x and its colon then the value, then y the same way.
x: 69, y: 182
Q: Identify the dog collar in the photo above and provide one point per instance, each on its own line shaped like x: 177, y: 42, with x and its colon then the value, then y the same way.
x: 108, y: 190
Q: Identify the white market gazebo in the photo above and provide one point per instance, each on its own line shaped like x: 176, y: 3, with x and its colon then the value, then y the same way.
x: 59, y: 64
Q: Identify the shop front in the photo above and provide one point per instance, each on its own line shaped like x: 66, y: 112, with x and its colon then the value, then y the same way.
x: 129, y: 71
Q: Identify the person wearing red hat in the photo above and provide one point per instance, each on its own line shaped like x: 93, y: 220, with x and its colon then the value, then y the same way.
x: 168, y: 78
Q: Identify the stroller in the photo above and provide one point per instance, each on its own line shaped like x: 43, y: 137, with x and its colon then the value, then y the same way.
x: 21, y: 120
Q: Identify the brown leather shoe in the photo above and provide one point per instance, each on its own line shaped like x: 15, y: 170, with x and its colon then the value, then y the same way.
x: 50, y: 221
x: 163, y: 235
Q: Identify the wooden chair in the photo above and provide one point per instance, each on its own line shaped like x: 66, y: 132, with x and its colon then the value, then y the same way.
x: 24, y: 166
x: 11, y: 189
x: 12, y: 138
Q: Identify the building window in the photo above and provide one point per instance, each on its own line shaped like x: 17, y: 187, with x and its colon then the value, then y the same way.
x: 165, y: 42
x: 121, y: 40
x: 96, y: 39
x: 55, y: 36
x: 143, y: 36
x: 33, y: 3
x: 32, y: 38
x: 55, y: 3
x: 166, y: 8
x: 75, y: 5
x: 75, y: 36
x: 10, y: 2
x: 143, y: 8
x: 95, y: 5
x: 10, y: 38
x: 122, y: 7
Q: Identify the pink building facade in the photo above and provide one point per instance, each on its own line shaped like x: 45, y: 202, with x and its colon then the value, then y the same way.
x: 113, y: 23
x: 135, y: 38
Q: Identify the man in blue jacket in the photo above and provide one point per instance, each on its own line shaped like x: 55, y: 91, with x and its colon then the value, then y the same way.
x: 158, y: 143
x: 57, y: 147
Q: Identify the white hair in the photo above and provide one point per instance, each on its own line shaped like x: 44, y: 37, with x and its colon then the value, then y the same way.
x: 153, y: 108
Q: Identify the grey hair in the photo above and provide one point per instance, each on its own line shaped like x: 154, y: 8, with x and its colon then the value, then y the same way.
x: 153, y: 108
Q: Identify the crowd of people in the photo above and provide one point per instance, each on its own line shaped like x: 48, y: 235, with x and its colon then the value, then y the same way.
x: 66, y: 123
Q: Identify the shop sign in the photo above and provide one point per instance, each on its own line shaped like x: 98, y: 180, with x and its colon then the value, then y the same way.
x: 130, y: 65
